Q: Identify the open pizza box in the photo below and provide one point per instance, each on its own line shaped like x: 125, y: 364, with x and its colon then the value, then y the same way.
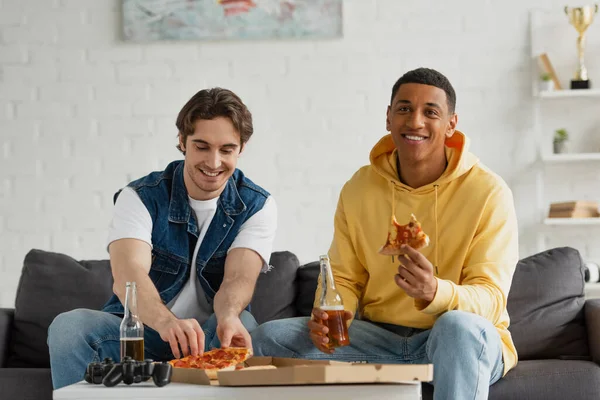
x: 272, y: 371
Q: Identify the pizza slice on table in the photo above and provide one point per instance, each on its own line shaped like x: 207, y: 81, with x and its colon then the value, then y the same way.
x: 411, y: 234
x: 215, y: 360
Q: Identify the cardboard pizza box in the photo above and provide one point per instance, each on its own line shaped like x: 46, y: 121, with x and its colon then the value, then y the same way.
x: 190, y: 375
x: 274, y: 371
x: 288, y: 362
x: 311, y: 372
x: 200, y: 377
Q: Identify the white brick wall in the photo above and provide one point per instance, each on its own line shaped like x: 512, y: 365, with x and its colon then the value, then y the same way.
x: 82, y: 113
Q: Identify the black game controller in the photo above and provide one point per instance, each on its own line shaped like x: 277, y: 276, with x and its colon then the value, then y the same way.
x: 128, y: 371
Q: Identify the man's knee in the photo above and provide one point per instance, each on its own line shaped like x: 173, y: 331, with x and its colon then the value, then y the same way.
x: 73, y: 327
x: 460, y: 329
x: 265, y: 330
x: 65, y: 325
x: 263, y: 337
x: 279, y: 330
x: 458, y: 322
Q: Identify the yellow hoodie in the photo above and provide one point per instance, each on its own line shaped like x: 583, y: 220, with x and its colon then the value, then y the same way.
x: 469, y: 216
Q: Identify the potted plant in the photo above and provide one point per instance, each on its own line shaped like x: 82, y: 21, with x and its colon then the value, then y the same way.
x: 561, y: 140
x: 546, y: 82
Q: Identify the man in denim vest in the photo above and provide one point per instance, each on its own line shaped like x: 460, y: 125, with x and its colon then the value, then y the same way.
x: 194, y: 238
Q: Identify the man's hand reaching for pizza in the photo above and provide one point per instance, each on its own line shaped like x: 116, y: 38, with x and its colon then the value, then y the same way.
x: 232, y: 333
x: 182, y: 333
x: 415, y: 275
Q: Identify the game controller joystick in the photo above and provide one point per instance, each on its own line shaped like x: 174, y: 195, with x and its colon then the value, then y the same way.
x: 162, y: 374
x: 128, y: 371
x: 96, y: 371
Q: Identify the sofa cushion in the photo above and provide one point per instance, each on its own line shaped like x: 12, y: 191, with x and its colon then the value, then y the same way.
x: 545, y: 305
x: 26, y: 383
x: 307, y: 280
x: 6, y: 320
x: 549, y: 380
x: 50, y: 284
x: 276, y: 289
x: 544, y: 380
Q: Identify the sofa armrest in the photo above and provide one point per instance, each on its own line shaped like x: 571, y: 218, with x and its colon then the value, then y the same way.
x: 592, y: 321
x: 6, y: 321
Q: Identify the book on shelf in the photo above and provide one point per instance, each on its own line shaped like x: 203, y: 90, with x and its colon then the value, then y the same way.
x: 574, y: 205
x: 574, y: 209
x: 547, y: 67
x: 574, y: 214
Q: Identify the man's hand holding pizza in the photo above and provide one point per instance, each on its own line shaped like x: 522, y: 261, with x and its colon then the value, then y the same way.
x: 415, y: 275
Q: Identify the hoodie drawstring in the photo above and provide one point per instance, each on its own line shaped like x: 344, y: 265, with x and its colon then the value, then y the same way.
x: 393, y: 198
x: 393, y: 204
x: 436, y: 244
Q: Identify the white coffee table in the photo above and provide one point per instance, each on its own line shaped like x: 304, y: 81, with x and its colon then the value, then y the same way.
x: 185, y: 391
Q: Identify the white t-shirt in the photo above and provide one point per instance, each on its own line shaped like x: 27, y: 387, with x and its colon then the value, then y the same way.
x: 131, y: 219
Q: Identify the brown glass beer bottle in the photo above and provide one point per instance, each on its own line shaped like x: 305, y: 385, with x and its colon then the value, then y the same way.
x: 331, y: 302
x: 132, y: 328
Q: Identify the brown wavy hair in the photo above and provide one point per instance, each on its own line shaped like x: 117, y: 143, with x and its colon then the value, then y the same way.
x: 210, y: 104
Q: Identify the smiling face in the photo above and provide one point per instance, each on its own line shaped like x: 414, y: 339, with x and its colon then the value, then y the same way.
x: 211, y: 155
x: 420, y: 122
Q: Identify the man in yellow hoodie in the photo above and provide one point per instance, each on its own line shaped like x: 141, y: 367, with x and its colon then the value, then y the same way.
x: 444, y: 304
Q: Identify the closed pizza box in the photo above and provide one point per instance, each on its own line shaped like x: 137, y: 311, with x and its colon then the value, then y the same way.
x: 271, y: 371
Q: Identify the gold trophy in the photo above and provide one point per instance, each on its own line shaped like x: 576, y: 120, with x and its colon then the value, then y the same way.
x: 581, y: 18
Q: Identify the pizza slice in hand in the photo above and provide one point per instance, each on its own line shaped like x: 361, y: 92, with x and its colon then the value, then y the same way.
x: 410, y: 234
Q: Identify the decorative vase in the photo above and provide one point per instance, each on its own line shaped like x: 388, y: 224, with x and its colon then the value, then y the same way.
x: 561, y: 146
x: 546, y: 86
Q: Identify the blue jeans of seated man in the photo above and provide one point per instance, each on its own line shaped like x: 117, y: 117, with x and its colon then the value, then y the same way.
x: 79, y: 337
x: 465, y: 349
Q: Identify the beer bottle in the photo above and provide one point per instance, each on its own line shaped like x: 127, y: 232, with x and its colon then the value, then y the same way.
x: 131, y: 329
x: 331, y: 302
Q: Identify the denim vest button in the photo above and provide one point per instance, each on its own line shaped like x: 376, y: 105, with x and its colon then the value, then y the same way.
x: 224, y: 225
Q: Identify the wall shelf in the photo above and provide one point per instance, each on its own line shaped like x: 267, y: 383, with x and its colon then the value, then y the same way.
x: 571, y: 157
x: 572, y: 221
x: 547, y: 29
x: 557, y: 94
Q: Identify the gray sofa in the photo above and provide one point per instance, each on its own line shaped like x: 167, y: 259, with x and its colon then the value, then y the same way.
x: 556, y: 331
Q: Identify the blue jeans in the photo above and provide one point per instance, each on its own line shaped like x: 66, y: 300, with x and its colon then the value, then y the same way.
x: 79, y: 337
x: 465, y: 349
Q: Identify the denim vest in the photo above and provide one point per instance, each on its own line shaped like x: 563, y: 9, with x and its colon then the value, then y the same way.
x: 175, y: 230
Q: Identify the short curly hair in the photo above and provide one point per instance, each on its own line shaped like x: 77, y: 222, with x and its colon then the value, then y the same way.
x: 431, y: 77
x: 210, y: 104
